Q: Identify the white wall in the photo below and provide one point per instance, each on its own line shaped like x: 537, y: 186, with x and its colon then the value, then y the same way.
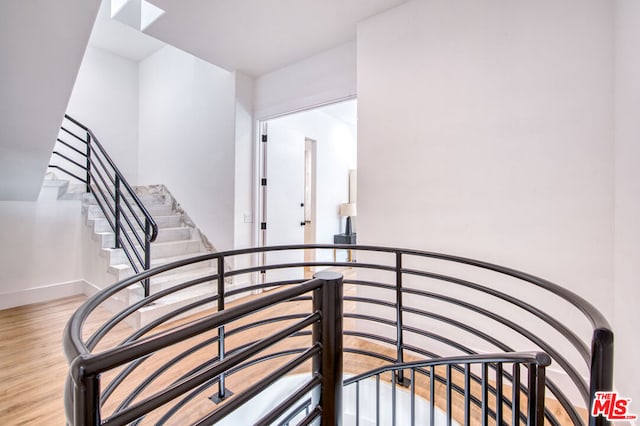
x: 336, y: 152
x: 42, y: 44
x: 491, y: 128
x: 244, y: 167
x: 243, y: 215
x: 41, y: 247
x: 627, y: 199
x: 485, y: 130
x: 105, y: 98
x: 187, y: 137
x: 319, y: 79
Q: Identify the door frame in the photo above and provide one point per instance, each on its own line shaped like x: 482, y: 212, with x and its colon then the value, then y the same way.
x: 261, y: 167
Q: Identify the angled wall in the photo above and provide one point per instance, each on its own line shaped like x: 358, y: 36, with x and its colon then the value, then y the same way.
x: 42, y: 45
x: 187, y: 137
x: 105, y: 98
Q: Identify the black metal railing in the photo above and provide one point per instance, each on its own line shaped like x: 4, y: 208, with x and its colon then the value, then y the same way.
x: 534, y: 389
x: 82, y: 157
x: 325, y: 318
x: 402, y: 307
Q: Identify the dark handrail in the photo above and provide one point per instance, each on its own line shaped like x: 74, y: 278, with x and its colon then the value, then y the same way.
x: 115, y: 187
x: 325, y: 319
x: 117, y: 171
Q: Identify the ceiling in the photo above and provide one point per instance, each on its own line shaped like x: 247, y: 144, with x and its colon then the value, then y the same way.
x: 259, y: 36
x: 116, y: 37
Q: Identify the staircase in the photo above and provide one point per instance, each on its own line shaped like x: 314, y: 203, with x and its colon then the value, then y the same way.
x: 132, y: 228
x: 177, y: 239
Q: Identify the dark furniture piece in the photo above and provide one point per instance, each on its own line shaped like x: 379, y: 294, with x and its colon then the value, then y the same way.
x: 344, y: 239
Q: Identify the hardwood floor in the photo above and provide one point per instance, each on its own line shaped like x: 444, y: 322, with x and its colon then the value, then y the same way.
x: 34, y: 368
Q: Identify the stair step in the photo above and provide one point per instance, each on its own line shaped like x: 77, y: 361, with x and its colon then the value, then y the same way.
x: 169, y: 221
x: 147, y: 199
x: 107, y: 239
x: 175, y: 242
x: 163, y: 306
x: 124, y: 270
x: 135, y: 292
x: 158, y: 250
x: 171, y: 303
x: 94, y: 211
x: 53, y: 189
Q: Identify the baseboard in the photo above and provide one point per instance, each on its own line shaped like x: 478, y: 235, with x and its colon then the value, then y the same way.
x: 89, y: 289
x: 42, y: 294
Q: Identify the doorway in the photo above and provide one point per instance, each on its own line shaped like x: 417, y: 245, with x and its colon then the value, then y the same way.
x: 305, y: 162
x: 309, y: 201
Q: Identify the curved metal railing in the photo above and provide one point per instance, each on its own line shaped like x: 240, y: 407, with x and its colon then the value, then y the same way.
x: 400, y: 306
x: 533, y: 412
x: 133, y: 226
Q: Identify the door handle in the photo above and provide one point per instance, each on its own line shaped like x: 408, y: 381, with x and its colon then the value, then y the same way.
x: 303, y: 223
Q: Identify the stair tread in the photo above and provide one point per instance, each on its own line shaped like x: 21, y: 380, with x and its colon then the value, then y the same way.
x: 182, y: 296
x: 55, y: 182
x: 161, y: 243
x: 163, y: 260
x: 142, y: 217
x: 173, y: 228
x: 191, y: 273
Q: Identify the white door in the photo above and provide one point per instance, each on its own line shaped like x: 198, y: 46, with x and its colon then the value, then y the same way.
x: 285, y: 157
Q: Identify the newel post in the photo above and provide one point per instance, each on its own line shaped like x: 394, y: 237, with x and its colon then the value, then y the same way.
x: 601, y: 369
x: 328, y: 300
x: 86, y: 394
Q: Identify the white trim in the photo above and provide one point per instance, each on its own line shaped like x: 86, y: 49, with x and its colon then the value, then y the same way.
x: 42, y: 294
x: 299, y: 105
x: 304, y: 104
x: 90, y: 289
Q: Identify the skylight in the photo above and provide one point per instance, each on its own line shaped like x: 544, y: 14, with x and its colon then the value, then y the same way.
x: 138, y: 14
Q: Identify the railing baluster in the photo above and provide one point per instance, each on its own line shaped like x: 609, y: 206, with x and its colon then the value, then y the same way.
x: 413, y: 396
x: 432, y: 395
x: 540, y: 389
x: 467, y: 394
x: 499, y: 393
x: 485, y: 394
x: 147, y: 255
x: 117, y: 214
x: 393, y: 397
x: 377, y: 399
x: 449, y: 412
x: 533, y: 394
x: 88, y: 186
x: 222, y: 391
x: 357, y: 403
x: 515, y: 395
x: 399, y: 322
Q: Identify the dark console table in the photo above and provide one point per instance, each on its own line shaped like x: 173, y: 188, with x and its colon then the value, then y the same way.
x: 344, y: 239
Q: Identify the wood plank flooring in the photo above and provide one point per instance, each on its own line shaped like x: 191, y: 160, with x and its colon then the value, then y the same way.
x: 33, y: 368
